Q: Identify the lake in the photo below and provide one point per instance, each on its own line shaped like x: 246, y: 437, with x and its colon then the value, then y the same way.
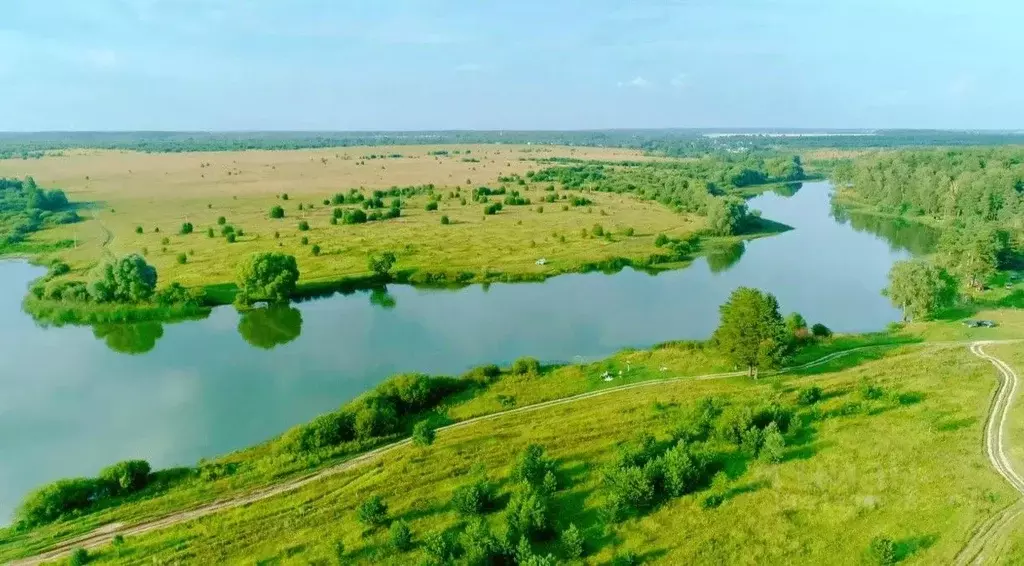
x: 75, y: 399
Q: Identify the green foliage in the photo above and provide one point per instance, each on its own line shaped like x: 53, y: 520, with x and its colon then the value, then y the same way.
x: 445, y: 220
x: 819, y: 330
x: 231, y: 237
x: 382, y: 263
x: 971, y: 252
x: 796, y: 324
x: 270, y: 326
x: 660, y: 240
x: 597, y: 231
x: 920, y: 288
x: 373, y: 512
x: 727, y: 216
x: 303, y: 226
x: 751, y: 332
x: 354, y: 216
x: 400, y: 536
x: 221, y: 220
x: 266, y: 276
x: 423, y: 433
x: 439, y: 547
x: 55, y: 500
x: 126, y: 280
x: 774, y: 445
x: 431, y: 205
x: 474, y: 498
x: 125, y: 477
x: 531, y: 466
x: 882, y: 551
x: 276, y: 211
x: 315, y: 250
x: 572, y: 542
x: 186, y: 228
x: 809, y: 395
x: 138, y: 229
x: 182, y: 258
x: 526, y: 366
x: 78, y: 557
x: 528, y: 513
x: 209, y: 233
x: 304, y: 240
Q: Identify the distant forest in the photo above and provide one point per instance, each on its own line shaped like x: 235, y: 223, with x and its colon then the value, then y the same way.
x: 673, y: 142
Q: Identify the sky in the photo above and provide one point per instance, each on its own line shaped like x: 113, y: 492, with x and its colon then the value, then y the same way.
x: 523, y: 64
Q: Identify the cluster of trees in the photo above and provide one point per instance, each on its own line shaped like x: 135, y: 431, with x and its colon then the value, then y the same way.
x: 69, y: 497
x: 266, y: 276
x: 26, y: 208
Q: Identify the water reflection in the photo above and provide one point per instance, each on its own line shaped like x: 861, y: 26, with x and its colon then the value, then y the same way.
x: 270, y: 326
x: 129, y: 338
x: 721, y: 259
x: 380, y: 297
x: 899, y: 233
x: 787, y: 189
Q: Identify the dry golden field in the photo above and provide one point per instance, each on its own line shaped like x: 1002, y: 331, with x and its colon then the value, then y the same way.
x: 128, y: 190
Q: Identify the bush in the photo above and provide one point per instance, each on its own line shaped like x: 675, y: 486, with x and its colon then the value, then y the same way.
x: 304, y: 241
x: 628, y: 232
x: 186, y: 228
x: 221, y: 220
x: 138, y: 229
x: 373, y: 512
x: 819, y: 330
x: 572, y: 542
x: 474, y: 498
x: 528, y: 513
x: 315, y: 250
x: 128, y: 279
x: 597, y: 231
x: 630, y: 486
x: 660, y: 240
x: 182, y: 258
x: 400, y: 536
x: 375, y: 417
x: 175, y: 294
x: 526, y: 366
x: 284, y: 196
x: 227, y: 229
x: 78, y: 557
x: 532, y: 466
x: 58, y: 268
x: 439, y: 547
x: 231, y: 238
x: 55, y: 500
x: 354, y: 216
x: 303, y: 226
x: 432, y: 205
x: 382, y: 263
x: 125, y: 477
x: 809, y: 396
x: 883, y: 551
x: 276, y: 212
x: 209, y: 233
x: 165, y: 241
x: 423, y: 434
x: 774, y: 445
x: 445, y: 220
x: 483, y: 374
x: 267, y: 276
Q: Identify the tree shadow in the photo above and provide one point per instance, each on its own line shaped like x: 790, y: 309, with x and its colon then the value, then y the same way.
x: 749, y: 487
x: 955, y: 425
x: 907, y: 547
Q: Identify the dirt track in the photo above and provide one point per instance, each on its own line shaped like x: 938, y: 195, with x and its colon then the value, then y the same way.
x: 105, y: 534
x: 988, y: 538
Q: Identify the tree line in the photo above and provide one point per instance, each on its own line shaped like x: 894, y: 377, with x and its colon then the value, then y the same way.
x: 27, y: 208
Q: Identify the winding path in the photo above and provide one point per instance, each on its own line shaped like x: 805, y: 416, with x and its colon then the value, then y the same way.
x: 105, y: 534
x: 989, y: 536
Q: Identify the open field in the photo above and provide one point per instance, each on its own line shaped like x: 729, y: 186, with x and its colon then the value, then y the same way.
x: 838, y: 487
x: 129, y: 190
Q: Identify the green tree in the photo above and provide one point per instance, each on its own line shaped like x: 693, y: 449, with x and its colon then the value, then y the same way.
x: 920, y: 288
x: 773, y: 446
x: 125, y: 477
x: 382, y: 263
x: 79, y: 557
x: 373, y: 512
x: 796, y: 324
x: 267, y: 276
x: 751, y: 332
x: 423, y: 433
x: 727, y: 215
x: 128, y: 280
x: 276, y: 212
x: 971, y: 253
x: 572, y: 542
x: 400, y: 536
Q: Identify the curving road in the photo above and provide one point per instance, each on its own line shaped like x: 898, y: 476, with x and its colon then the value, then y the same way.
x: 105, y: 534
x: 990, y: 535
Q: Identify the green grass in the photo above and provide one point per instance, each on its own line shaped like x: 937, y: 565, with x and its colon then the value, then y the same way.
x: 908, y: 466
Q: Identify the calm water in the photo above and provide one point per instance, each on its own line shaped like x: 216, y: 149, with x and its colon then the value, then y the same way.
x: 75, y: 399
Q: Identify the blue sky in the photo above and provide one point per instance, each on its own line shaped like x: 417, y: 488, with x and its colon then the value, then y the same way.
x: 524, y: 64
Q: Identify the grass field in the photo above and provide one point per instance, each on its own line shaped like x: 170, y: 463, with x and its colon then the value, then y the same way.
x: 128, y: 190
x: 907, y: 466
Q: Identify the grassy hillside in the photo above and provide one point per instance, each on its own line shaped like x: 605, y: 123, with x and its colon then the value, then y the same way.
x: 892, y: 450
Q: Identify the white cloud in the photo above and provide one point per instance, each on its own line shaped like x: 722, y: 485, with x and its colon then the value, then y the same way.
x: 636, y: 82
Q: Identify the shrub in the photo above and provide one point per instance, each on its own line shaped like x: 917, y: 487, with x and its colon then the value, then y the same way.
x: 373, y: 512
x: 165, y: 241
x: 819, y: 330
x: 809, y: 396
x: 532, y: 466
x: 883, y: 551
x: 156, y: 230
x: 276, y: 212
x: 382, y: 263
x: 304, y: 241
x: 186, y: 228
x: 354, y: 216
x: 528, y: 513
x: 125, y: 477
x: 597, y: 231
x: 58, y: 268
x: 267, y: 276
x: 221, y: 220
x: 423, y: 433
x: 227, y: 229
x: 209, y: 233
x: 660, y: 240
x: 526, y: 366
x: 78, y: 557
x: 474, y: 498
x: 54, y: 500
x: 315, y: 250
x: 483, y: 374
x: 572, y: 542
x: 303, y: 225
x: 869, y: 391
x: 445, y: 220
x: 138, y: 229
x: 774, y: 445
x: 400, y: 536
x: 175, y: 294
x: 375, y: 417
x: 682, y: 471
x: 127, y: 279
x: 277, y: 234
x: 231, y: 238
x: 630, y: 486
x: 432, y: 205
x: 284, y: 196
x: 628, y: 232
x: 439, y: 547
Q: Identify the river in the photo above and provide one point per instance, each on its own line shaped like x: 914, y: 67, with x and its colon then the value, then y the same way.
x: 75, y: 399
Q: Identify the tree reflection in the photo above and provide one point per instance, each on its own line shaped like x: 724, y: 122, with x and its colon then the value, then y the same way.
x: 899, y: 233
x: 133, y: 338
x: 380, y: 297
x: 270, y: 326
x: 787, y: 189
x: 723, y: 258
